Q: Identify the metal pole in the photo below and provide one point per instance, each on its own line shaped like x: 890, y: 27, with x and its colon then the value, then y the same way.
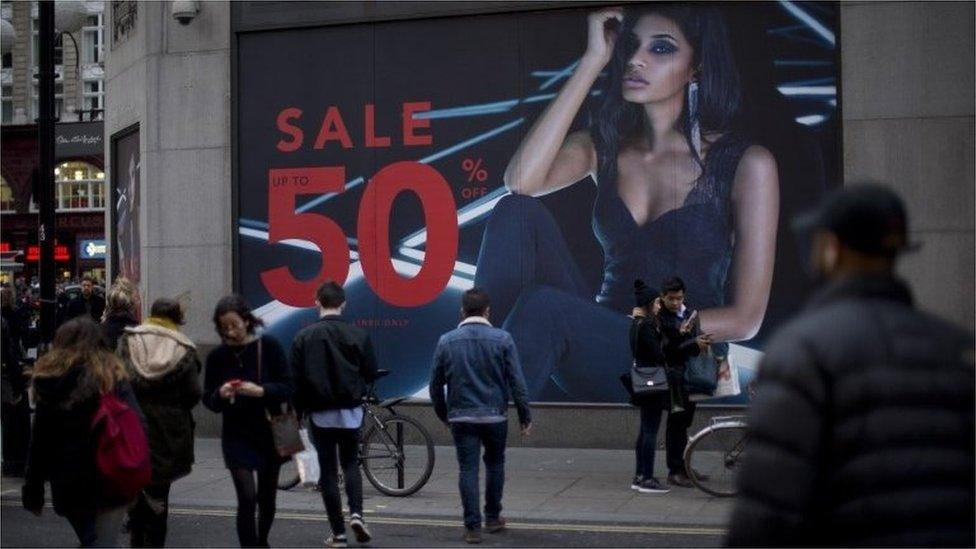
x: 45, y: 136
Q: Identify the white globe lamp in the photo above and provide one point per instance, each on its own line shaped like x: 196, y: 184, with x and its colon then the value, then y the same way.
x: 69, y: 15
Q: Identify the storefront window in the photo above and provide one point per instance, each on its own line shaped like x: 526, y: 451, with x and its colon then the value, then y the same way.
x: 80, y: 186
x: 6, y: 197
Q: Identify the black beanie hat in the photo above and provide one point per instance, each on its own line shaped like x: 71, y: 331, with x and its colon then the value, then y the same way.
x: 643, y: 294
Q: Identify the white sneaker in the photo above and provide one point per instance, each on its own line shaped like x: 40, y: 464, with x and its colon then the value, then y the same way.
x: 337, y: 541
x: 359, y: 527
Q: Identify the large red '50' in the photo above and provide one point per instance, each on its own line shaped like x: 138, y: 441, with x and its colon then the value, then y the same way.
x: 284, y: 185
x: 440, y: 215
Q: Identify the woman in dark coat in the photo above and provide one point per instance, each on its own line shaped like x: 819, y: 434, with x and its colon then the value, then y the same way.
x: 120, y: 311
x: 247, y: 377
x: 165, y: 372
x: 67, y: 387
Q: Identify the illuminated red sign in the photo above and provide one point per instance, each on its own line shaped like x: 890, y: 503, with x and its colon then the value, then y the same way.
x: 61, y: 253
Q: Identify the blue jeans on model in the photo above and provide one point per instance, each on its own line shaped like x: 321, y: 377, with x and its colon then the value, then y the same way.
x: 571, y: 347
x: 468, y: 439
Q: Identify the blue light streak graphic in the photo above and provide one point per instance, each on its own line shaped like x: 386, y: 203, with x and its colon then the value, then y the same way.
x: 810, y: 21
x: 559, y: 75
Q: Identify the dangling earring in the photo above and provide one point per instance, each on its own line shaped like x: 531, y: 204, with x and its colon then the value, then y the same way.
x: 693, y: 117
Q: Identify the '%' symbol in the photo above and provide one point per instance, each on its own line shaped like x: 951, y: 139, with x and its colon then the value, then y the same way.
x: 474, y: 169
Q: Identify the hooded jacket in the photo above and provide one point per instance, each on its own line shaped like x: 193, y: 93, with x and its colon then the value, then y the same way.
x: 164, y: 372
x: 62, y: 448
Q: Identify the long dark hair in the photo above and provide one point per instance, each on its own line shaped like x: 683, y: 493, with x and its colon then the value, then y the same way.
x: 618, y: 120
x: 81, y: 342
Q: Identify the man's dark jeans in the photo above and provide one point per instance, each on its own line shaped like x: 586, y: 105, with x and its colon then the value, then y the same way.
x: 468, y: 439
x: 344, y: 443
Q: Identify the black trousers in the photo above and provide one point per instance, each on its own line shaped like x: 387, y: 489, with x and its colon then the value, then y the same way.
x: 16, y: 435
x: 147, y: 518
x: 343, y: 444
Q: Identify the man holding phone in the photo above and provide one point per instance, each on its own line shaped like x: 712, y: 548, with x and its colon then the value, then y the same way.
x: 680, y: 329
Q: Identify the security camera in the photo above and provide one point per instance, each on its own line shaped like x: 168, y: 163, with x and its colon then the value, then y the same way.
x: 185, y: 10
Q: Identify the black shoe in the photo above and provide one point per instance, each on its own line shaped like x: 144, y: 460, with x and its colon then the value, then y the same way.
x: 493, y: 526
x: 635, y: 484
x: 359, y: 528
x: 652, y: 486
x: 472, y: 535
x: 679, y: 479
x: 337, y: 541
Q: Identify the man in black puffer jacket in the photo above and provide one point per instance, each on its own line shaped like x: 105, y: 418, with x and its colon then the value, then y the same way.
x: 861, y: 431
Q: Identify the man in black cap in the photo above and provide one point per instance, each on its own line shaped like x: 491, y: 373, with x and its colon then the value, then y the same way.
x: 861, y: 431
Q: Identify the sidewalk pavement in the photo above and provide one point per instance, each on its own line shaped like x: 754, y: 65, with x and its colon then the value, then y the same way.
x: 542, y: 484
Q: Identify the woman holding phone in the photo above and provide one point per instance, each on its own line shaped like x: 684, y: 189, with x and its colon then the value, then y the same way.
x: 680, y: 189
x: 247, y: 377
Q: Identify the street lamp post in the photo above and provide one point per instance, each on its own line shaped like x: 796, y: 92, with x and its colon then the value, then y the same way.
x: 72, y: 17
x: 45, y: 187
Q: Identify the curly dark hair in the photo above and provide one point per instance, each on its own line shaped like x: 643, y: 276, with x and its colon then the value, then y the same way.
x: 236, y: 304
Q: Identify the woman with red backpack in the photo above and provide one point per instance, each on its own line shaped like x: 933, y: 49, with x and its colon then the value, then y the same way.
x: 88, y: 439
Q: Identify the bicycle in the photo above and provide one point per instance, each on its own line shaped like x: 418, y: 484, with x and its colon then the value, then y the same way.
x: 396, y: 453
x: 713, y: 456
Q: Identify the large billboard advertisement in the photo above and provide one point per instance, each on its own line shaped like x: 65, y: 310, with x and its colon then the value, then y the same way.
x: 550, y: 157
x: 126, y: 248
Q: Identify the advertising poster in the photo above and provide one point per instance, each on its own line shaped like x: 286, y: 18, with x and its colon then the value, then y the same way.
x: 125, y: 205
x: 412, y: 160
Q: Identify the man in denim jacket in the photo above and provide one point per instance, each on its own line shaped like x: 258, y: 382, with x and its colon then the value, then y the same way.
x: 480, y: 368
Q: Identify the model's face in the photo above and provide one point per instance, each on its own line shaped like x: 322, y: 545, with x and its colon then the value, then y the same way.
x: 662, y: 65
x: 233, y: 328
x: 86, y: 288
x: 673, y: 301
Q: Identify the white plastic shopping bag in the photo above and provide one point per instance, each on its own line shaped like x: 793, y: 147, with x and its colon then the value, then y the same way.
x: 307, y: 462
x: 728, y: 386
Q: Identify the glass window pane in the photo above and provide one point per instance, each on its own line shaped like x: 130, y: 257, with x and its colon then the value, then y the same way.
x: 6, y: 196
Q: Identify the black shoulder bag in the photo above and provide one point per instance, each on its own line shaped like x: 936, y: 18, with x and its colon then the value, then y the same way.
x: 645, y: 381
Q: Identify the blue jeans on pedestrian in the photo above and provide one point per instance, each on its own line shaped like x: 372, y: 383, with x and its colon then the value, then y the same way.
x: 468, y: 439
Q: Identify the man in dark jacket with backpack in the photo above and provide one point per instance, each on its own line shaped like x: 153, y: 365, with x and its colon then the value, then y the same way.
x: 332, y: 361
x: 861, y: 431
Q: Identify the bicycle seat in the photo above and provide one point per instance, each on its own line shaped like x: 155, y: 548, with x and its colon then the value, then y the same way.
x: 380, y: 374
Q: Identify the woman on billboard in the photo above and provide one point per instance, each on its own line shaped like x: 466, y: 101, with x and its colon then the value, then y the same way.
x: 679, y: 193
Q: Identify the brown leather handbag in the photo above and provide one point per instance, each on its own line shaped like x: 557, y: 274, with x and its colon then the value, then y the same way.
x: 284, y: 426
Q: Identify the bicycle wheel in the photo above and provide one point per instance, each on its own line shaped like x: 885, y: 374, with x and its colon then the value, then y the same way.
x: 397, y: 457
x: 288, y: 475
x: 713, y: 458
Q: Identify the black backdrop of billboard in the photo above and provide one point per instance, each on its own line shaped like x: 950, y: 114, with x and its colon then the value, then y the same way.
x: 787, y: 55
